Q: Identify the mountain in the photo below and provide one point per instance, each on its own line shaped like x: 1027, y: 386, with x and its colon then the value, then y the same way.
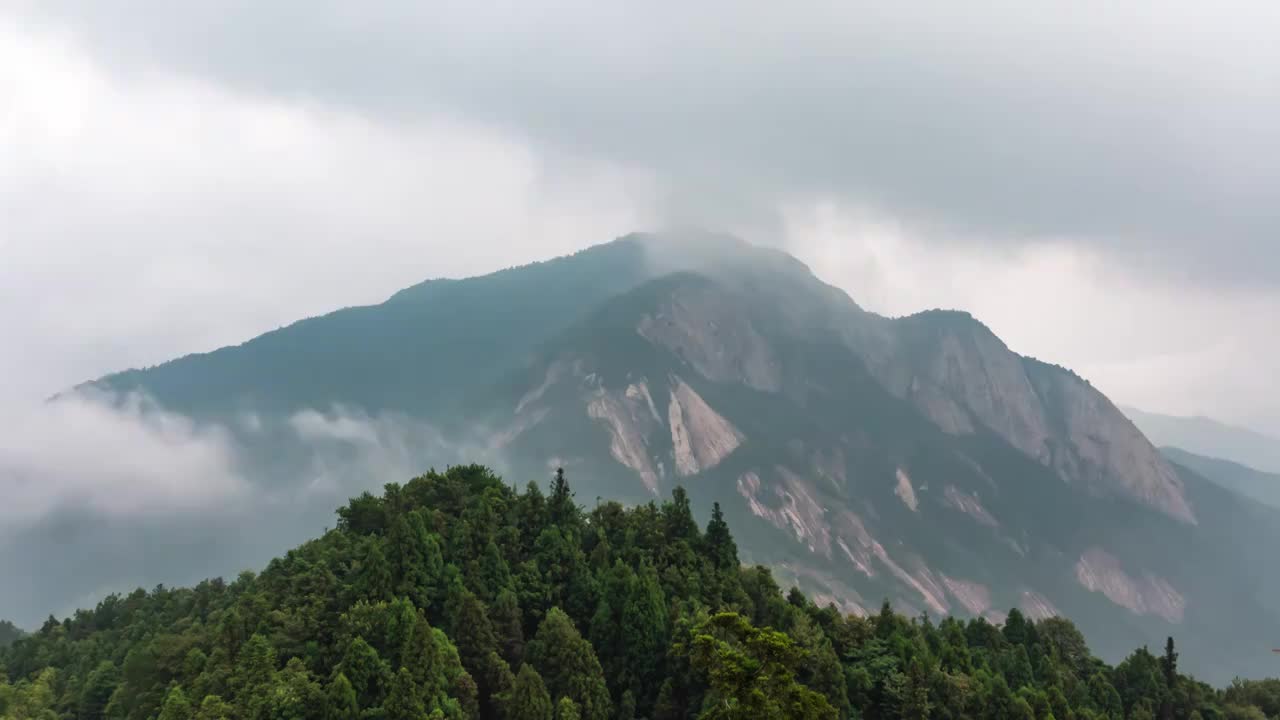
x: 1210, y: 438
x: 1261, y: 486
x: 455, y: 596
x: 917, y: 459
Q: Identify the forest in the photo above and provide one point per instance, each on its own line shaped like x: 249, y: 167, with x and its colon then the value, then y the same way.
x: 456, y: 596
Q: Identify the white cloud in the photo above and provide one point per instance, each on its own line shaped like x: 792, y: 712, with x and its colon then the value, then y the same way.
x: 126, y: 459
x: 171, y: 184
x: 150, y: 214
x: 1145, y: 340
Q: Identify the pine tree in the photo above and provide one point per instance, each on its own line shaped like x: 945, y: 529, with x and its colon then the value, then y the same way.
x: 340, y: 699
x: 419, y: 560
x: 677, y: 518
x: 529, y: 698
x: 214, y: 708
x: 375, y: 580
x: 176, y: 706
x: 569, y: 665
x: 751, y: 673
x: 644, y: 632
x: 366, y: 671
x: 97, y: 690
x: 721, y: 548
x: 496, y: 686
x: 508, y: 625
x: 567, y: 709
x: 627, y: 706
x: 403, y: 701
x: 420, y: 653
x: 1169, y: 666
x: 472, y: 632
x: 562, y: 511
x: 467, y: 694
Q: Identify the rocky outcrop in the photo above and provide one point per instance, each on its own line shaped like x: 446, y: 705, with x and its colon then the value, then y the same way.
x: 968, y: 504
x: 1099, y: 571
x: 1105, y: 446
x: 973, y: 597
x: 791, y: 506
x: 1037, y: 606
x: 700, y: 437
x: 631, y: 419
x: 960, y: 376
x: 706, y: 328
x: 905, y: 491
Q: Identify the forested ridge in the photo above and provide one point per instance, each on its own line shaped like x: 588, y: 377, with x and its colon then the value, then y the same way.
x: 457, y: 596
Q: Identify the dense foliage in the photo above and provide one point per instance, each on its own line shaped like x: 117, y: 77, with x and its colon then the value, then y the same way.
x: 8, y: 633
x: 455, y: 596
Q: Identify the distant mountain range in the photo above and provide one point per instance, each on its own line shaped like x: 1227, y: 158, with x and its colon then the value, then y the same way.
x: 917, y: 459
x: 1210, y: 438
x: 1261, y: 486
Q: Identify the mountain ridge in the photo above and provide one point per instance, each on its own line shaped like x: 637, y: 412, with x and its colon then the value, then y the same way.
x: 916, y: 458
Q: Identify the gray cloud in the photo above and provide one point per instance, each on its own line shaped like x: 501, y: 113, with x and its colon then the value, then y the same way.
x: 121, y: 459
x: 151, y: 215
x: 1094, y: 181
x: 117, y: 493
x: 1143, y: 129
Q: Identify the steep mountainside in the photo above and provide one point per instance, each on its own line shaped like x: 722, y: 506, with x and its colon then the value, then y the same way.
x: 1261, y: 486
x: 918, y: 459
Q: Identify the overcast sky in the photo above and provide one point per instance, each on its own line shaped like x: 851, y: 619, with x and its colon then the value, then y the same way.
x: 1098, y: 181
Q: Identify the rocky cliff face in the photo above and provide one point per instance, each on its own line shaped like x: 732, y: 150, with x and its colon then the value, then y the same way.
x: 963, y: 378
x: 918, y: 459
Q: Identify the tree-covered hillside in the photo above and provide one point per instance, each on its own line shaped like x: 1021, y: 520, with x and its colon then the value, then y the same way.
x: 456, y: 596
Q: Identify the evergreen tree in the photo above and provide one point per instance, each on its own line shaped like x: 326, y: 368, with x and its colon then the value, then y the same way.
x: 562, y: 510
x: 375, y: 580
x: 214, y: 708
x: 403, y: 701
x: 176, y: 706
x: 627, y: 706
x: 102, y: 682
x: 496, y: 687
x: 467, y: 694
x: 567, y: 709
x: 721, y: 549
x: 677, y: 518
x: 529, y: 698
x: 751, y: 673
x: 508, y: 625
x: 340, y: 699
x: 420, y: 563
x: 569, y: 665
x: 367, y: 672
x: 472, y: 632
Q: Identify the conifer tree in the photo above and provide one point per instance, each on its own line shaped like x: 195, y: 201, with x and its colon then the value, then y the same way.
x: 529, y: 698
x: 340, y: 699
x: 176, y: 706
x: 403, y: 701
x: 567, y: 709
x: 569, y: 665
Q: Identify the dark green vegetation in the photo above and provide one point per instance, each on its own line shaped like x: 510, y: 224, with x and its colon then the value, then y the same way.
x: 455, y: 596
x: 1261, y: 486
x: 8, y: 633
